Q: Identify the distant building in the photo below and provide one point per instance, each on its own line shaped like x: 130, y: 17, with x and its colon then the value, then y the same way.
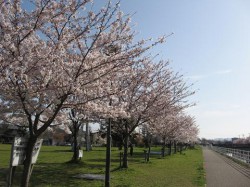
x: 234, y: 139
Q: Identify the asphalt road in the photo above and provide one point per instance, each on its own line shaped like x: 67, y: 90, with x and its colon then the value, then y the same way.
x: 222, y: 172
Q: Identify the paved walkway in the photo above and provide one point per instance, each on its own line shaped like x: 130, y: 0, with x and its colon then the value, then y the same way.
x: 222, y: 172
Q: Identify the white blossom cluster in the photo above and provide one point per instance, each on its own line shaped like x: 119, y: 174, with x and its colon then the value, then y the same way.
x: 63, y: 55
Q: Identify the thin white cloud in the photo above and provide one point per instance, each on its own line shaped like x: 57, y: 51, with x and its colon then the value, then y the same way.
x: 218, y: 113
x: 202, y: 76
x: 221, y: 72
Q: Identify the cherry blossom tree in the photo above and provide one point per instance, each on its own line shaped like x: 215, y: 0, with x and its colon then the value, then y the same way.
x: 76, y: 119
x: 56, y: 51
x: 187, y: 133
x: 153, y: 88
x: 175, y: 127
x: 76, y: 122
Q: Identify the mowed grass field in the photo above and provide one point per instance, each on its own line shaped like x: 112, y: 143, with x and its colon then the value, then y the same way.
x: 53, y: 169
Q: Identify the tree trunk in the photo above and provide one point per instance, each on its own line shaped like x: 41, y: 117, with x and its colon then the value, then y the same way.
x: 163, y: 148
x: 120, y: 147
x: 27, y: 162
x: 75, y: 155
x: 125, y: 153
x: 180, y: 148
x: 175, y: 147
x: 170, y: 148
x: 149, y: 150
x: 149, y: 147
x: 125, y: 144
x: 88, y: 143
x: 131, y: 150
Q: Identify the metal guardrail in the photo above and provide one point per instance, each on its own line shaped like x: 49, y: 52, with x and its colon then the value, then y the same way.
x: 238, y: 154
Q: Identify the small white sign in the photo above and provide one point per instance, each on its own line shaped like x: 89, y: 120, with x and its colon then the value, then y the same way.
x: 80, y: 153
x: 36, y: 150
x: 18, y: 151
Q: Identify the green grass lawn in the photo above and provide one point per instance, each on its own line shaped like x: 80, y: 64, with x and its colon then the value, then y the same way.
x: 53, y: 169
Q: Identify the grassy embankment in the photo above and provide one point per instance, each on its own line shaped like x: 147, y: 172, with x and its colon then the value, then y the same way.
x: 53, y: 169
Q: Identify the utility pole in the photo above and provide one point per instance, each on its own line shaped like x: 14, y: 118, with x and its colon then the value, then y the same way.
x: 108, y: 154
x: 110, y: 50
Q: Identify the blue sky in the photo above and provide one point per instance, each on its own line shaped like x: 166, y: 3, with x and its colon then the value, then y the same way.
x: 211, y: 47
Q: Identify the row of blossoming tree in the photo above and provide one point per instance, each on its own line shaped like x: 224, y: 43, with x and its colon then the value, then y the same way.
x: 65, y: 59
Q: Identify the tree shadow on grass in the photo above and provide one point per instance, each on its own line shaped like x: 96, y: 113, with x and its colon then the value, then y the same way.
x: 58, y: 151
x: 58, y: 174
x: 53, y: 174
x: 139, y: 157
x: 4, y: 172
x: 103, y: 160
x: 87, y: 164
x: 134, y: 158
x: 63, y: 151
x: 117, y: 169
x: 95, y: 160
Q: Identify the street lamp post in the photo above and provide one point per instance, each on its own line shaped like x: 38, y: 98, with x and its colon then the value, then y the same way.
x: 112, y: 49
x: 108, y: 154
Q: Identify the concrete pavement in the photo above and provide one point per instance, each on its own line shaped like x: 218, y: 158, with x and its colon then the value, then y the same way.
x: 222, y: 172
